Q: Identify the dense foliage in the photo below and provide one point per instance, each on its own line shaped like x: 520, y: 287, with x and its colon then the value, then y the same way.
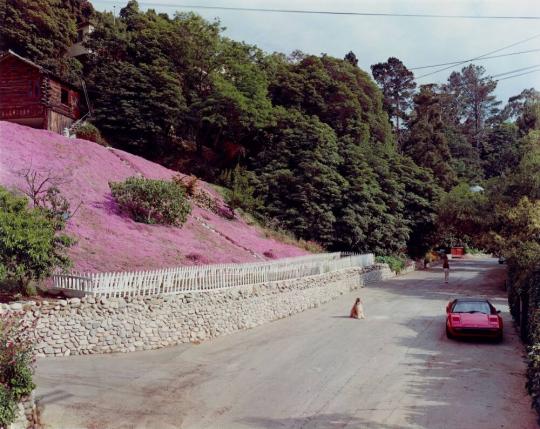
x: 16, y: 366
x: 395, y: 263
x: 319, y: 148
x: 43, y: 32
x: 152, y: 201
x: 31, y: 246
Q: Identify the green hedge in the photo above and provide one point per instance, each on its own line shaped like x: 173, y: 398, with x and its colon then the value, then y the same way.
x: 524, y: 293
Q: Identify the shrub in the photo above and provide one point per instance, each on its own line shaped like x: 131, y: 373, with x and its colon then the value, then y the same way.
x: 16, y: 365
x: 396, y: 263
x: 30, y: 245
x: 197, y: 194
x: 152, y: 201
x: 87, y: 131
x: 188, y: 183
x: 8, y: 407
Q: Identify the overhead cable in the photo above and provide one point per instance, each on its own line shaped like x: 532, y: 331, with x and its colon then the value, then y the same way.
x: 328, y: 12
x: 483, y: 58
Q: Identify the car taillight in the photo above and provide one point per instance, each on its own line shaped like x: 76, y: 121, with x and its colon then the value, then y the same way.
x: 494, y: 320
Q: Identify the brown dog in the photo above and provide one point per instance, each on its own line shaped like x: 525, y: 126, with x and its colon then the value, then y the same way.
x: 357, y: 311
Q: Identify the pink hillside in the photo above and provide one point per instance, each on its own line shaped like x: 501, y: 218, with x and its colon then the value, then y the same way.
x: 107, y: 240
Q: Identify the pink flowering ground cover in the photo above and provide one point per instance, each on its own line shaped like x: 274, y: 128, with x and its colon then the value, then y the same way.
x: 107, y: 240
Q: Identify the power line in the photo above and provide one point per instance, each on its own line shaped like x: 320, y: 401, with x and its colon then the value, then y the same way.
x: 515, y: 71
x: 480, y: 56
x: 483, y: 58
x: 521, y: 74
x: 329, y: 12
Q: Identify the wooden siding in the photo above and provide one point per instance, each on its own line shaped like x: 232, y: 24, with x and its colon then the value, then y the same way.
x: 54, y: 99
x: 21, y: 91
x: 30, y: 96
x: 57, y: 122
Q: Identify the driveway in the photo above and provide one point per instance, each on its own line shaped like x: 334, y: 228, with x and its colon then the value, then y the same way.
x: 318, y: 369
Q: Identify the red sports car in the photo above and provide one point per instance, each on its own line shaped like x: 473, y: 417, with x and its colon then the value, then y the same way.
x: 473, y: 318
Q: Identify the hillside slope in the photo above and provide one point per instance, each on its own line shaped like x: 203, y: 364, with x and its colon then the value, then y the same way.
x: 107, y: 240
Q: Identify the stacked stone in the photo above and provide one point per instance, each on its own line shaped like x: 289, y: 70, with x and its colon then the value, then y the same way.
x: 90, y: 325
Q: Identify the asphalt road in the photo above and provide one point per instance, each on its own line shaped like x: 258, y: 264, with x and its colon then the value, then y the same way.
x: 318, y: 369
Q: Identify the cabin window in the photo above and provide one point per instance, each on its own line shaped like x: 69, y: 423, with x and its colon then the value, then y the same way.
x: 31, y: 89
x: 64, y: 96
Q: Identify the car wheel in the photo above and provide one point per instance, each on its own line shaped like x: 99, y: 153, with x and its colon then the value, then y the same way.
x: 449, y: 334
x: 499, y: 338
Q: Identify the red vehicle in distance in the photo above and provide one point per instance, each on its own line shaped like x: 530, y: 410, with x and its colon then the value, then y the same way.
x: 473, y: 318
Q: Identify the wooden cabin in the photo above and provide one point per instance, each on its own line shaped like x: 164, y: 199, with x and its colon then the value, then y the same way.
x: 30, y: 95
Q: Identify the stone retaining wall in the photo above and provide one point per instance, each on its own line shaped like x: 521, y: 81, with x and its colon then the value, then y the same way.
x: 89, y: 325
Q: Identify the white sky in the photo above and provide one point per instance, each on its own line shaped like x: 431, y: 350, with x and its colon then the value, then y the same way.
x: 415, y: 41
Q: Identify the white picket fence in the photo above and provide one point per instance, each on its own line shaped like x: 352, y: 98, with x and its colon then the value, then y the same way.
x: 205, y: 278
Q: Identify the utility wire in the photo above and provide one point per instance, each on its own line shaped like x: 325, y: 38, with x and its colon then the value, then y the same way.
x: 329, y: 12
x: 515, y: 71
x: 483, y: 58
x: 521, y: 74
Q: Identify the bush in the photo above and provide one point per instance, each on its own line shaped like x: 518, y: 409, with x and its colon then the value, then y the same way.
x: 188, y: 183
x: 30, y: 245
x: 396, y: 263
x: 152, y: 201
x: 87, y: 131
x: 8, y: 407
x: 16, y: 365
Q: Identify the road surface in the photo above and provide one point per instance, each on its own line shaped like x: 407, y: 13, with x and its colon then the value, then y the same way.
x: 318, y: 369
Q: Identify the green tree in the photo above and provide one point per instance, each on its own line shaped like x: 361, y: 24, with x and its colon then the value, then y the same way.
x: 500, y: 150
x: 43, y: 31
x: 30, y: 246
x: 137, y: 107
x: 298, y: 179
x: 397, y: 84
x: 427, y: 144
x: 351, y: 58
x: 463, y: 216
x: 237, y: 104
x: 524, y: 109
x: 472, y: 102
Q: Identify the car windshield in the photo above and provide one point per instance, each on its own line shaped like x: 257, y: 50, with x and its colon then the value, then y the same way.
x: 471, y: 307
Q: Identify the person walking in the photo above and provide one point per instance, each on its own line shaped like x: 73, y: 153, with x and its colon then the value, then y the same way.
x: 446, y: 268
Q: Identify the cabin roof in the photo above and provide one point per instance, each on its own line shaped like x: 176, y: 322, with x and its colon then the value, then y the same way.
x: 9, y: 53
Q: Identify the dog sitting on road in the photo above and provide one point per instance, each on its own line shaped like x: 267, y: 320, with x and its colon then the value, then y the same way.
x: 357, y: 311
